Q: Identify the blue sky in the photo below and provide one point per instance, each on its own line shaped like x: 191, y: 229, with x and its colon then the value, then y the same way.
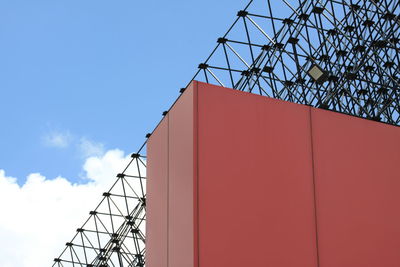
x: 78, y: 78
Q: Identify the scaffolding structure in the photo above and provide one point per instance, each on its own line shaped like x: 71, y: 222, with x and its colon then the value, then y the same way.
x: 340, y: 55
x: 336, y: 55
x: 114, y: 233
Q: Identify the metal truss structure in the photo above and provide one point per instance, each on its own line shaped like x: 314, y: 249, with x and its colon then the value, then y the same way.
x: 114, y: 233
x: 341, y: 55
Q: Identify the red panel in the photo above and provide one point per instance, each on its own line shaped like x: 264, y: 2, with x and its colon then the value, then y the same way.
x: 232, y: 178
x: 256, y: 199
x: 157, y: 196
x: 181, y: 170
x: 358, y: 191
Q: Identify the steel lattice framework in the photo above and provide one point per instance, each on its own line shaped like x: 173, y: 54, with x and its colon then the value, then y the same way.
x: 337, y: 55
x: 114, y: 233
x: 331, y: 54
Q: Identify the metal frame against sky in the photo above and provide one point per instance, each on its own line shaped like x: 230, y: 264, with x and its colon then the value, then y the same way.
x: 354, y: 43
x: 331, y: 54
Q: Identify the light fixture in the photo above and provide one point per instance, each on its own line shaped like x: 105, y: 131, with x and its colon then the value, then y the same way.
x: 318, y: 74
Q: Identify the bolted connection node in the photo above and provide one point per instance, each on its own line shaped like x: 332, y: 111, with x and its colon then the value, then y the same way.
x: 293, y: 40
x: 349, y: 28
x: 246, y: 73
x: 375, y: 118
x: 350, y: 76
x: 304, y: 16
x: 268, y: 69
x: 389, y: 16
x: 288, y: 83
x: 222, y: 40
x: 323, y: 105
x: 120, y: 175
x: 341, y: 53
x: 389, y: 64
x: 379, y: 44
x: 333, y: 78
x: 165, y: 113
x: 318, y: 10
x: 203, y: 66
x: 148, y: 135
x: 324, y: 58
x: 182, y: 90
x: 279, y: 45
x: 288, y: 21
x: 332, y: 32
x: 242, y: 13
x: 394, y: 40
x: 93, y: 212
x: 368, y: 23
x: 106, y: 194
x: 57, y: 260
x: 266, y: 47
x: 135, y: 155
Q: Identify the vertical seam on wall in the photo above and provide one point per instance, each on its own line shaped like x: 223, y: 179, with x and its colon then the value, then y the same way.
x: 196, y: 134
x: 314, y: 186
x: 167, y: 117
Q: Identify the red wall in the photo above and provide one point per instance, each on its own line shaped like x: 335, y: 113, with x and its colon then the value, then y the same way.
x: 156, y: 202
x: 358, y: 190
x: 237, y: 179
x: 181, y: 183
x: 170, y: 200
x: 255, y: 181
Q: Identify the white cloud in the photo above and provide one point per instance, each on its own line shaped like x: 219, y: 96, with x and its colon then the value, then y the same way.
x: 57, y: 139
x: 37, y: 218
x: 89, y: 148
x: 84, y: 146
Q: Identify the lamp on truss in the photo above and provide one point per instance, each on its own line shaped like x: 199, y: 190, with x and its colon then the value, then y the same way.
x: 318, y: 74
